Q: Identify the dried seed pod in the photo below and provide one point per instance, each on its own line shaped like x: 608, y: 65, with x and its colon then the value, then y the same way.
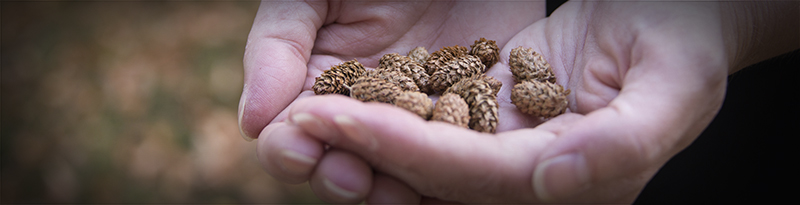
x: 486, y: 50
x: 468, y: 83
x: 372, y: 89
x: 493, y: 83
x: 483, y: 114
x: 395, y: 77
x: 526, y: 64
x: 451, y: 108
x: 482, y: 101
x: 542, y: 99
x: 439, y: 58
x: 338, y: 78
x: 455, y: 70
x: 412, y: 69
x: 416, y: 102
x: 419, y: 54
x: 476, y: 84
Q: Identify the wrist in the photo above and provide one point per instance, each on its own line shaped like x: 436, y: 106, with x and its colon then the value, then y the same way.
x: 755, y: 31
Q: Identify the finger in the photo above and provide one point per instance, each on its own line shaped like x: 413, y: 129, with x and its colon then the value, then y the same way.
x: 287, y: 153
x: 389, y: 190
x: 341, y: 177
x: 433, y: 158
x: 665, y: 102
x: 275, y: 59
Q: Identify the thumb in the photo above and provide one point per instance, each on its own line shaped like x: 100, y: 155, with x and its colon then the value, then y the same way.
x: 275, y: 60
x: 653, y: 118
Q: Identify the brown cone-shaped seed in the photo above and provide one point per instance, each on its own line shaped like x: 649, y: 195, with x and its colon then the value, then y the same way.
x: 482, y: 101
x: 486, y: 50
x: 412, y: 69
x: 419, y: 54
x: 526, y: 64
x: 451, y: 108
x: 439, y: 58
x: 483, y: 114
x: 463, y: 86
x: 493, y: 83
x: 416, y: 102
x: 475, y: 82
x: 455, y: 70
x: 372, y: 89
x: 338, y: 78
x: 395, y: 77
x: 542, y: 99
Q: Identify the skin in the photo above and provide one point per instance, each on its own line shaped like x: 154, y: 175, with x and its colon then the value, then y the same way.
x: 646, y: 79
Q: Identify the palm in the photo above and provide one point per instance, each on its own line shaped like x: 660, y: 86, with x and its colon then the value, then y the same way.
x: 448, y: 24
x: 291, y: 43
x: 644, y: 82
x: 611, y: 68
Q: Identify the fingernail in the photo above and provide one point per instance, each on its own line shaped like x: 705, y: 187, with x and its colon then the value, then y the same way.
x: 561, y: 176
x: 337, y: 190
x: 242, y: 104
x: 356, y: 131
x: 314, y: 126
x: 297, y: 163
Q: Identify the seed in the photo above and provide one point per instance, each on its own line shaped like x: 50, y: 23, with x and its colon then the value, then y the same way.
x: 486, y: 50
x: 416, y: 102
x: 451, y: 108
x: 338, y: 78
x: 526, y: 64
x: 542, y: 99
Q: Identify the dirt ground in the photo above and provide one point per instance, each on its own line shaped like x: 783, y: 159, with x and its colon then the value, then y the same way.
x: 128, y: 102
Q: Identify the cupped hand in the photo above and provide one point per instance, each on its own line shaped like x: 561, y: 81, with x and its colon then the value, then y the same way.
x: 646, y: 79
x: 291, y: 43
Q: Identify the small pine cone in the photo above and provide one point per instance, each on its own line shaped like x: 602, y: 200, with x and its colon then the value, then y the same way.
x: 493, y: 83
x: 526, y: 64
x: 482, y: 101
x: 483, y: 114
x: 371, y: 89
x: 463, y: 86
x: 455, y: 70
x: 542, y: 99
x: 396, y: 62
x: 395, y: 77
x: 486, y: 50
x: 337, y: 79
x: 439, y: 58
x: 419, y: 54
x: 415, y: 102
x: 451, y: 108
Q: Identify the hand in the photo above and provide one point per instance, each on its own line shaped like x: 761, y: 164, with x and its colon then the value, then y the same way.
x: 646, y: 79
x: 291, y: 43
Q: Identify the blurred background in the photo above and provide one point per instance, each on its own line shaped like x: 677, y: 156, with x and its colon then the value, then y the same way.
x: 128, y: 102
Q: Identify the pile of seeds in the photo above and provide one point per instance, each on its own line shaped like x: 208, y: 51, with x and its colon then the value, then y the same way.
x: 468, y: 97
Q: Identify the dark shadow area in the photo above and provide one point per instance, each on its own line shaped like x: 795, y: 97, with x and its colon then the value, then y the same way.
x: 553, y: 4
x: 745, y: 155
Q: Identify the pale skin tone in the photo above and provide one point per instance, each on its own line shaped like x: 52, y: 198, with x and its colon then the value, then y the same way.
x: 646, y: 79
